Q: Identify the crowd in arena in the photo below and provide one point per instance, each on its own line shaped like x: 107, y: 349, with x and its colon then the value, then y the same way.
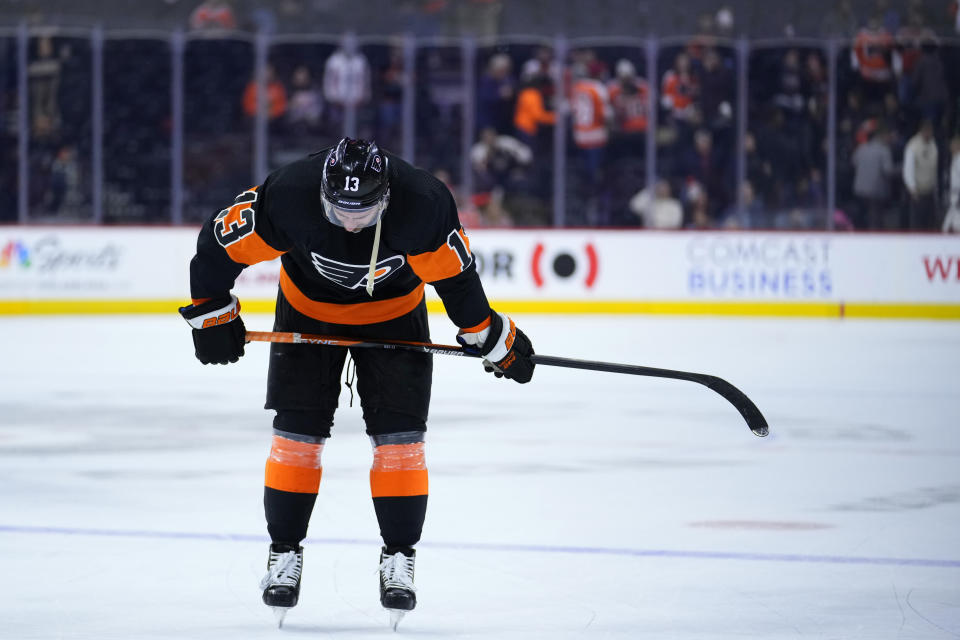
x: 895, y: 151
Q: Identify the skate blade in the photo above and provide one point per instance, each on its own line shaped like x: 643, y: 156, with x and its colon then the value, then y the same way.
x: 279, y: 613
x: 396, y: 615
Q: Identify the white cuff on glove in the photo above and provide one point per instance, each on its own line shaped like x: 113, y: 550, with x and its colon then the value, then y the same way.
x: 504, y: 340
x: 222, y: 315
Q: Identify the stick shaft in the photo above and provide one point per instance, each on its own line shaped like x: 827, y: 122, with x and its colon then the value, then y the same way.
x: 746, y: 407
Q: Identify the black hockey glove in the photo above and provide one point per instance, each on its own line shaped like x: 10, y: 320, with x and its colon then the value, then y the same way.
x: 505, y: 349
x: 218, y: 331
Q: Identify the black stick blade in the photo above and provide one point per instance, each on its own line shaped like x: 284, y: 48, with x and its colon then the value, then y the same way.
x: 746, y: 407
x: 751, y: 414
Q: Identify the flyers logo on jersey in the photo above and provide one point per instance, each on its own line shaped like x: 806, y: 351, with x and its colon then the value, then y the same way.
x: 354, y: 276
x: 236, y: 222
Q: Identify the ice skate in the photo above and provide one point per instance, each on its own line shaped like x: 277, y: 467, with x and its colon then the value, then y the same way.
x: 397, y: 592
x: 281, y: 585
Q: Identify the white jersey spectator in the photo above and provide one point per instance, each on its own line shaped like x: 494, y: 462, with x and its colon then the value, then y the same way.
x: 952, y: 222
x: 920, y: 163
x: 920, y: 177
x: 491, y: 144
x: 346, y: 77
x: 659, y: 211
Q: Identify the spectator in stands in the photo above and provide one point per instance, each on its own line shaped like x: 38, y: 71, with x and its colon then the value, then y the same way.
x: 816, y: 84
x: 873, y: 170
x: 213, y: 15
x: 909, y: 40
x: 929, y: 83
x: 678, y: 90
x: 276, y: 96
x: 43, y: 80
x: 659, y: 211
x: 749, y: 213
x: 790, y: 97
x: 872, y: 51
x: 920, y: 177
x: 630, y: 102
x: 346, y: 80
x: 704, y: 165
x: 390, y: 102
x: 704, y: 39
x: 65, y: 193
x: 896, y: 119
x: 717, y: 89
x: 809, y: 203
x: 500, y: 165
x: 759, y: 170
x: 496, y: 91
x: 951, y: 223
x: 542, y: 63
x: 698, y: 206
x: 306, y: 102
x: 531, y: 116
x: 590, y: 114
x: 499, y: 162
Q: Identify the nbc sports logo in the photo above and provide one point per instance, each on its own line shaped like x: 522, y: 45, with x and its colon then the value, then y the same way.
x: 14, y: 252
x: 558, y: 264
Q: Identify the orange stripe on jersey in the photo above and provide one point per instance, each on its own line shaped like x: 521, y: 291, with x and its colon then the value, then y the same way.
x: 357, y: 313
x: 252, y: 249
x: 294, y: 466
x: 446, y: 262
x: 399, y: 470
x: 477, y: 328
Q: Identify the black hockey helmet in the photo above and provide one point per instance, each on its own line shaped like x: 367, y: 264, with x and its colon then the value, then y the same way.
x: 355, y: 186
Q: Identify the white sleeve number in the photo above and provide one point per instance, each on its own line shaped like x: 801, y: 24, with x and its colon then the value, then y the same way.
x: 353, y: 184
x: 455, y: 242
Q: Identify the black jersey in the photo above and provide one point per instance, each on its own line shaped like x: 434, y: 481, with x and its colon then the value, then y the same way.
x: 325, y: 267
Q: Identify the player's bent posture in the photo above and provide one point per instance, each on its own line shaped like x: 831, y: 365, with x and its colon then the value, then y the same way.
x: 359, y: 232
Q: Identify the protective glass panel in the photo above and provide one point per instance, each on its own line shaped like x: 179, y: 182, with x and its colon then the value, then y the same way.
x: 218, y: 130
x: 308, y: 93
x: 606, y: 148
x: 9, y: 165
x: 697, y: 133
x: 439, y: 118
x: 785, y: 144
x: 60, y: 88
x: 136, y: 131
x: 512, y: 154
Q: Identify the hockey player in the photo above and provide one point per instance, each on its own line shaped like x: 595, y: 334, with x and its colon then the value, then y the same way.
x: 359, y: 232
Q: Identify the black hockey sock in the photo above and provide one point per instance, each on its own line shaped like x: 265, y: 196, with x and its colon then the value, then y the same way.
x: 288, y: 514
x: 401, y: 520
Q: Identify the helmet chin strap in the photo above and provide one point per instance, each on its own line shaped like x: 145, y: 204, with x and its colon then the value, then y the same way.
x: 373, y: 257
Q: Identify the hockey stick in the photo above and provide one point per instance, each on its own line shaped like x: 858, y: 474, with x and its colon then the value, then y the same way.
x: 746, y: 407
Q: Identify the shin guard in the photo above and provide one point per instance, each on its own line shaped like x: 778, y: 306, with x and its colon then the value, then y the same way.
x: 292, y: 480
x: 398, y: 484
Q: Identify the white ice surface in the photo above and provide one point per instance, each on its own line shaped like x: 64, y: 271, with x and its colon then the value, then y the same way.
x: 581, y: 505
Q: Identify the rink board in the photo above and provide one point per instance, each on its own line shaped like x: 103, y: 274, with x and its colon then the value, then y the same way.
x: 52, y: 270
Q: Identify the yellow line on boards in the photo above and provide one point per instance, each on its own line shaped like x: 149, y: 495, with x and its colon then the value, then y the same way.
x: 650, y: 307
